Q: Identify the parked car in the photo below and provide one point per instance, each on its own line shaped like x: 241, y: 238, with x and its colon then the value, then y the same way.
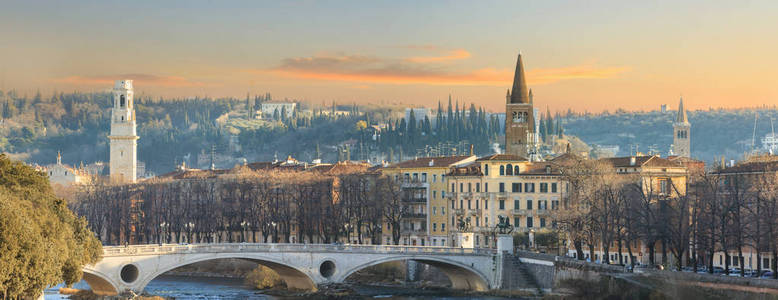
x: 767, y: 274
x: 718, y: 270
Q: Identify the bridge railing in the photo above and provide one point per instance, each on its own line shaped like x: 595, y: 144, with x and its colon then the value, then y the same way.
x: 266, y: 247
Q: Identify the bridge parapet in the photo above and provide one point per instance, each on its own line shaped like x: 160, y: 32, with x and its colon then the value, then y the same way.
x: 109, y: 251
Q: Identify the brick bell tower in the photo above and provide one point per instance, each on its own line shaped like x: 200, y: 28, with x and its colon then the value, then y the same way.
x: 519, y: 116
x: 124, y: 139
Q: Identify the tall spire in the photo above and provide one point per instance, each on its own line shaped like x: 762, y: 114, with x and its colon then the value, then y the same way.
x: 519, y: 90
x: 681, y: 113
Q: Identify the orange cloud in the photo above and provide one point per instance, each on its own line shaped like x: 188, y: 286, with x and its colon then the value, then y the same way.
x: 453, y: 55
x: 141, y: 79
x: 369, y: 69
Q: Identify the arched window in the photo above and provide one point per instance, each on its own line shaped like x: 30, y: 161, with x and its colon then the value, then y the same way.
x: 121, y: 101
x: 509, y: 170
x: 502, y: 170
x: 122, y: 118
x: 516, y: 170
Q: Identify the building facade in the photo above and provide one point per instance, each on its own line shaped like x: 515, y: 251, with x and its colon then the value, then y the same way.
x: 123, y: 138
x: 270, y: 108
x: 525, y: 194
x: 519, y: 116
x: 423, y: 180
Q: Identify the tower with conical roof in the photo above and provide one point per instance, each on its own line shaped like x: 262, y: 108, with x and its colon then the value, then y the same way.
x: 519, y: 116
x: 681, y: 133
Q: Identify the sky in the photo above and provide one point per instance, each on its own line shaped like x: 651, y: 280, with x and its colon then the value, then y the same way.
x: 583, y: 55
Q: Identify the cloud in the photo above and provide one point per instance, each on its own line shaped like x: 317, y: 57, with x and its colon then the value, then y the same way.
x: 452, y: 55
x: 371, y: 69
x: 140, y: 79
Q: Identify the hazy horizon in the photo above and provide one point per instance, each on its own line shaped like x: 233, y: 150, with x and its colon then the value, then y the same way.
x: 591, y: 56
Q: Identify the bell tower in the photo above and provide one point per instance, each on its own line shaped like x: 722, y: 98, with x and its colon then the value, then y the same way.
x: 123, y: 138
x: 519, y: 116
x: 681, y: 133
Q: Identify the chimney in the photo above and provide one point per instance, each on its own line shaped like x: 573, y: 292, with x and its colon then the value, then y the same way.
x: 632, y: 161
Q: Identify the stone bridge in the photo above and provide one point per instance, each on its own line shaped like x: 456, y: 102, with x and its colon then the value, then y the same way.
x: 301, y: 266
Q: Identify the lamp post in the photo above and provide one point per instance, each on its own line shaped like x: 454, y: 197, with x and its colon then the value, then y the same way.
x: 163, y: 229
x: 244, y: 225
x: 189, y: 227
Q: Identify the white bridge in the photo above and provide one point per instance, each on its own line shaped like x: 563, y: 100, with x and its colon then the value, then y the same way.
x: 301, y: 266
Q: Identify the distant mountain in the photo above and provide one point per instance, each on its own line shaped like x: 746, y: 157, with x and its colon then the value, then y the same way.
x: 714, y: 132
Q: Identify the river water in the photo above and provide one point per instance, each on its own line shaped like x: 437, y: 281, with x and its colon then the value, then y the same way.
x: 180, y: 287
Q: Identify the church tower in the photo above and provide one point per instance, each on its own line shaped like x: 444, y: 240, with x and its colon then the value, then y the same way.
x: 519, y: 116
x: 681, y: 137
x: 124, y: 140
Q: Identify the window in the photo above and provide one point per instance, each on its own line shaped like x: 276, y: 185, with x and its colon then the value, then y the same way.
x: 469, y: 202
x: 509, y: 169
x: 434, y: 210
x: 121, y: 102
x: 502, y: 187
x: 502, y: 204
x: 544, y: 187
x: 461, y: 187
x: 516, y: 170
x: 553, y: 187
x: 452, y: 204
x: 476, y: 204
x: 502, y: 170
x: 435, y: 227
x: 434, y: 178
x: 529, y: 222
x: 423, y: 177
x: 486, y: 187
x: 529, y: 187
x: 477, y: 221
x: 407, y: 177
x: 529, y: 204
x: 442, y: 210
x: 469, y: 187
x: 486, y: 203
x: 516, y: 204
x: 486, y: 169
x: 516, y: 221
x: 554, y: 204
x: 664, y: 186
x: 486, y: 221
x: 542, y: 204
x: 516, y: 187
x: 442, y: 194
x: 453, y: 187
x: 542, y: 222
x: 461, y: 204
x: 434, y: 194
x: 415, y: 177
x: 477, y: 187
x: 443, y: 227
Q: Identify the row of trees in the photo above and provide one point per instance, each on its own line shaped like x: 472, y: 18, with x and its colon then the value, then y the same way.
x: 714, y: 212
x: 246, y: 206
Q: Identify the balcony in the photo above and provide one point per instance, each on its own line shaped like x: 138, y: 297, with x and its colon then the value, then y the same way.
x: 521, y: 211
x: 415, y: 200
x: 475, y: 211
x: 459, y: 211
x: 413, y: 215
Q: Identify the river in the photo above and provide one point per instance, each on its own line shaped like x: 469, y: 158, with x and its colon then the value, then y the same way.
x: 180, y: 287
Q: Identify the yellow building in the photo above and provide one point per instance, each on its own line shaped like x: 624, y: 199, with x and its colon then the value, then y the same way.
x: 424, y: 184
x: 502, y: 186
x: 660, y: 177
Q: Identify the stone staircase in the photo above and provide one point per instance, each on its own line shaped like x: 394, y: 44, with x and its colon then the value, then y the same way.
x: 516, y: 276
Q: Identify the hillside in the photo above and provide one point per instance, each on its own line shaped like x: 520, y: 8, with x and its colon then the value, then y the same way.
x: 714, y: 133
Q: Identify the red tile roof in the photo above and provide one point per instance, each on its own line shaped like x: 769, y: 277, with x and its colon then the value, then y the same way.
x: 427, y: 162
x: 502, y: 157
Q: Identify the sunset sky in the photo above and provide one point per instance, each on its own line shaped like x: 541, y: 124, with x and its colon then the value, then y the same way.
x: 584, y: 55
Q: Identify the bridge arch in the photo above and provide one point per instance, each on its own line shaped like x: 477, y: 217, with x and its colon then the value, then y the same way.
x: 462, y: 277
x: 294, y: 277
x: 100, y: 283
